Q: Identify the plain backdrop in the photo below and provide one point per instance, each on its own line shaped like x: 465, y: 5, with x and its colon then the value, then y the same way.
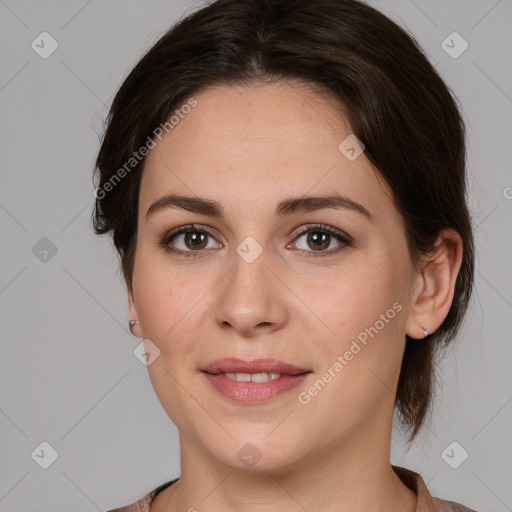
x: 68, y: 374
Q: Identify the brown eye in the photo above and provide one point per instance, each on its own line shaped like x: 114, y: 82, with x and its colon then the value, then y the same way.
x: 195, y: 240
x: 187, y: 240
x: 319, y: 238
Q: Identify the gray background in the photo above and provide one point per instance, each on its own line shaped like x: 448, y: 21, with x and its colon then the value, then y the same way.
x: 67, y: 372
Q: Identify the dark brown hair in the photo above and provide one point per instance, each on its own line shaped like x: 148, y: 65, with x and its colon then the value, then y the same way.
x: 395, y: 102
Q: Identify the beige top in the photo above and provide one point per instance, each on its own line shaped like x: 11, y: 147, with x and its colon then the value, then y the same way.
x: 426, y: 503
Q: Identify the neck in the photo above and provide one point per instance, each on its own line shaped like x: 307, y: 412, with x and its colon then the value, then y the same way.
x: 352, y: 476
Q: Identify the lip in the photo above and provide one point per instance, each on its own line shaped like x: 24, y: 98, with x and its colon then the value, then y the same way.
x: 235, y: 365
x: 253, y: 392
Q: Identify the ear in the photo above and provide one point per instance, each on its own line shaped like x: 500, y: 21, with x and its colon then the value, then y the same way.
x: 435, y: 286
x: 135, y: 329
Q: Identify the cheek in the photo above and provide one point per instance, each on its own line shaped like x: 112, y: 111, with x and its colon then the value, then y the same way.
x: 160, y: 297
x: 165, y: 302
x: 365, y: 312
x: 354, y: 298
x: 171, y: 304
x: 360, y: 364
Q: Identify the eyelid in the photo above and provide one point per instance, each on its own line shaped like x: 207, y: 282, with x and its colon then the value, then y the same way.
x: 323, y: 227
x: 183, y: 230
x: 188, y: 227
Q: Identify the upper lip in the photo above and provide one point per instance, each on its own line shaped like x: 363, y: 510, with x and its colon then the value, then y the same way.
x: 235, y: 365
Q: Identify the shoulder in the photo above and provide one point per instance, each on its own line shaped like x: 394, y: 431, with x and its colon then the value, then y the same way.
x: 449, y: 506
x: 141, y: 505
x: 426, y: 502
x: 144, y: 503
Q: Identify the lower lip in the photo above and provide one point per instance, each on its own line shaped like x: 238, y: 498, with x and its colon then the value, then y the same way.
x: 254, y: 392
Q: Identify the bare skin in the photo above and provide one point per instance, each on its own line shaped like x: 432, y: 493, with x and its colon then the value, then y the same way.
x: 248, y: 149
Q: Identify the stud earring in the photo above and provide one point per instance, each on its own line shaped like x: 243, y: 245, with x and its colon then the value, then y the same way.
x: 131, y: 323
x: 425, y: 332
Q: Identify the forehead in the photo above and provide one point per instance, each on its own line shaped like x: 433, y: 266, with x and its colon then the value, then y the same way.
x: 255, y: 145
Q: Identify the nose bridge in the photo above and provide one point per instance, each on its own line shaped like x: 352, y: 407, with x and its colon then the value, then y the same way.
x: 248, y: 280
x: 249, y: 297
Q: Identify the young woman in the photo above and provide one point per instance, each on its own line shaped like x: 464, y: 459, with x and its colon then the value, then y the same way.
x: 284, y: 181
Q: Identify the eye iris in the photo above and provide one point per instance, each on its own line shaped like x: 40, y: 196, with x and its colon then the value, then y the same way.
x: 313, y: 237
x: 194, y: 237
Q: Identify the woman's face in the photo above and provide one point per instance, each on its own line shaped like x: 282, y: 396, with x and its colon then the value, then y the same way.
x: 248, y: 285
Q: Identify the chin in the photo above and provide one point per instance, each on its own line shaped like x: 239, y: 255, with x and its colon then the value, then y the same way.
x: 258, y: 454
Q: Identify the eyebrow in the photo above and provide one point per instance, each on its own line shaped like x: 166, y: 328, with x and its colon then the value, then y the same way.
x: 301, y: 204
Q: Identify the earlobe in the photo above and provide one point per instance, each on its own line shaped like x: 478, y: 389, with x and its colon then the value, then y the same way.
x: 133, y: 323
x: 436, y: 285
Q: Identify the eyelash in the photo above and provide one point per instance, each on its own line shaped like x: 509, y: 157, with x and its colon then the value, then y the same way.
x: 344, y: 239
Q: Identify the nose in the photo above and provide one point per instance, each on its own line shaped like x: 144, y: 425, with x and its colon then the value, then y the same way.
x: 251, y: 299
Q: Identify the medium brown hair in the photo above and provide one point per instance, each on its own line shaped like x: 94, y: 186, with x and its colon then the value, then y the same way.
x: 394, y: 100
